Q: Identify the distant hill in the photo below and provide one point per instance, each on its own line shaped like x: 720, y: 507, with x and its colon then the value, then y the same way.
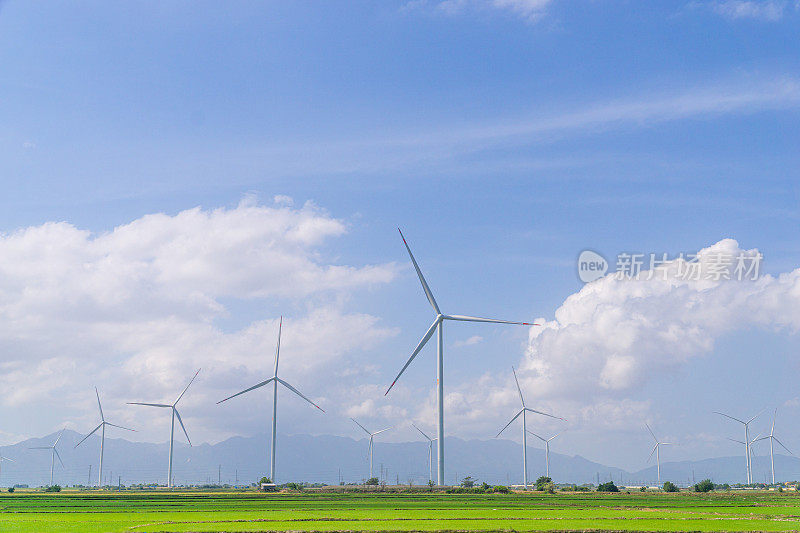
x: 328, y: 459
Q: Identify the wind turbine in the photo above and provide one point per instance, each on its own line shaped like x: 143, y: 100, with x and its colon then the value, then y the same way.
x: 4, y: 459
x: 546, y: 448
x: 748, y: 449
x: 524, y: 429
x: 175, y: 413
x: 102, y: 428
x: 772, y: 438
x: 438, y: 327
x: 430, y: 452
x: 371, y: 446
x: 746, y: 441
x: 275, y: 380
x: 53, y: 454
x: 657, y: 450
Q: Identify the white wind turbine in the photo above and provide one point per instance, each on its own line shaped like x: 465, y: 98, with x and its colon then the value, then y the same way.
x: 53, y: 454
x: 546, y: 449
x: 524, y: 429
x: 1, y: 462
x: 371, y: 445
x: 748, y: 449
x: 657, y: 450
x: 430, y: 452
x: 438, y: 327
x: 175, y: 413
x: 746, y: 441
x: 772, y: 438
x: 102, y: 427
x: 274, y: 380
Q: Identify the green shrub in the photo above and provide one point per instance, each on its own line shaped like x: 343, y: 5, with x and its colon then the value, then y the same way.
x: 53, y: 488
x: 371, y: 481
x: 468, y: 482
x: 543, y: 482
x: 10, y: 489
x: 704, y: 486
x: 607, y: 487
x: 669, y: 486
x: 500, y: 489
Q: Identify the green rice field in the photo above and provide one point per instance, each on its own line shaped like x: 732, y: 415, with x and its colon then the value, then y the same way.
x: 249, y: 511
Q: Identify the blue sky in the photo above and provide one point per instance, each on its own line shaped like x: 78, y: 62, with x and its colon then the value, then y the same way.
x: 504, y: 137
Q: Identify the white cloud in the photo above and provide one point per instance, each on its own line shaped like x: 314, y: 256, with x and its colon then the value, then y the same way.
x: 765, y: 10
x: 528, y: 10
x: 475, y: 339
x: 136, y: 310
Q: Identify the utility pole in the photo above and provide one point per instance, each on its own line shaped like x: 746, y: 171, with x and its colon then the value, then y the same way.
x: 219, y: 475
x: 237, y: 475
x: 119, y: 483
x: 89, y: 483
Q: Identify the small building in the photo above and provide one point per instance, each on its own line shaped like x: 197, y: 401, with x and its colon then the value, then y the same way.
x: 269, y: 487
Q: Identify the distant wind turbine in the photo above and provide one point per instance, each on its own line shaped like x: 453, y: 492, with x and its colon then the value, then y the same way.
x: 438, y: 327
x: 53, y: 454
x: 275, y: 380
x: 657, y: 451
x: 175, y: 413
x: 546, y: 448
x: 524, y: 429
x: 746, y: 441
x: 1, y: 462
x: 102, y: 427
x: 430, y: 452
x: 371, y: 444
x: 748, y: 448
x: 772, y: 438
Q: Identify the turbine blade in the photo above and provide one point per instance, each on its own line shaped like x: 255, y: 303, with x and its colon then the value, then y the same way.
x: 651, y: 453
x: 784, y: 447
x: 177, y: 414
x: 257, y: 385
x: 425, y: 287
x: 98, y: 404
x: 519, y: 389
x: 90, y: 434
x: 59, y: 437
x: 369, y: 448
x: 120, y: 427
x: 362, y: 427
x: 464, y: 318
x: 729, y: 416
x: 150, y: 404
x: 381, y: 431
x: 651, y: 432
x: 509, y: 422
x: 424, y: 340
x: 537, y: 436
x: 737, y: 441
x: 59, y: 457
x: 7, y: 459
x: 40, y: 447
x: 554, y: 436
x: 774, y: 415
x: 187, y: 386
x: 423, y: 433
x: 278, y: 348
x: 759, y: 413
x: 545, y: 414
x: 298, y: 393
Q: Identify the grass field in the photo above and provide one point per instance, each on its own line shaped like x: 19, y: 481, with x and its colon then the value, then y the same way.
x: 248, y: 511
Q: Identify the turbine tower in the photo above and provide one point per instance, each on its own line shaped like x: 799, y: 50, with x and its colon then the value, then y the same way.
x: 438, y: 327
x: 274, y: 380
x: 546, y: 449
x: 746, y: 441
x: 102, y: 428
x: 371, y: 446
x: 1, y: 462
x: 53, y: 454
x: 772, y: 438
x: 430, y: 452
x: 748, y: 449
x: 524, y: 429
x: 175, y: 413
x: 657, y: 450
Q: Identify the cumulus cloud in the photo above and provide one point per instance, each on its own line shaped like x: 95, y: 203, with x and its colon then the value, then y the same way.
x: 137, y: 309
x: 475, y: 339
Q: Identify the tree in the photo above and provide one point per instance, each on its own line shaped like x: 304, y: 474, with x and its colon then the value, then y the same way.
x: 669, y: 486
x: 265, y: 479
x: 704, y: 486
x: 431, y: 484
x: 607, y: 487
x: 371, y: 481
x: 543, y: 482
x: 468, y: 482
